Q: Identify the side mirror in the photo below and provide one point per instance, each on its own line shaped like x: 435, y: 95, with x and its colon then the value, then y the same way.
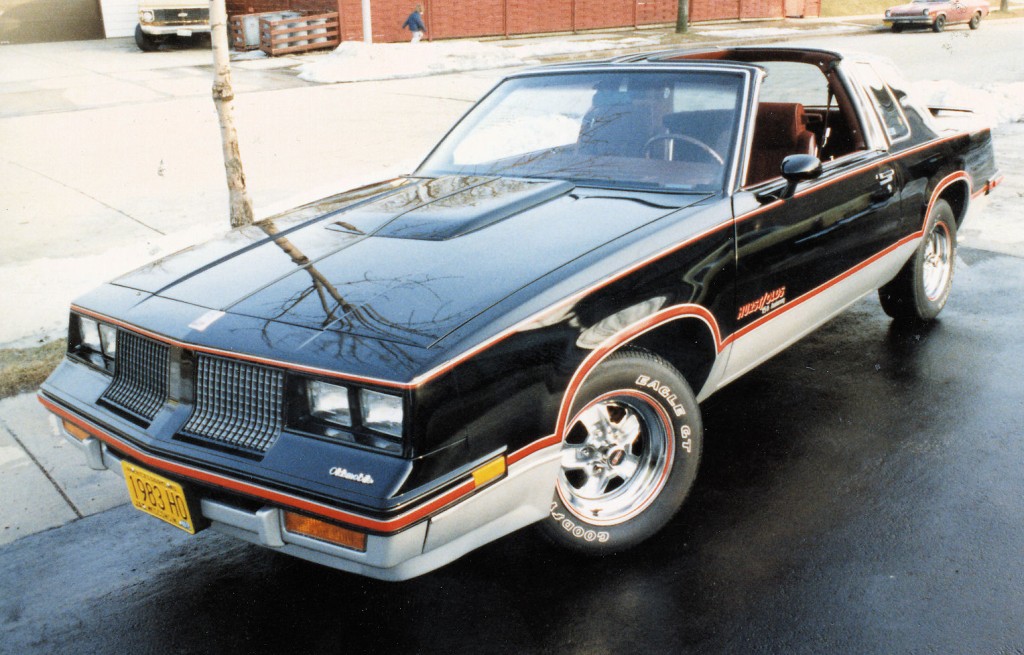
x: 799, y: 168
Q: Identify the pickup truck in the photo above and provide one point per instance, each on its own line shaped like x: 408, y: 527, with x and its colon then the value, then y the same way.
x: 160, y: 19
x: 522, y: 330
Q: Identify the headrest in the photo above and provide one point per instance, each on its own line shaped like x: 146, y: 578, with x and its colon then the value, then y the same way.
x: 779, y: 124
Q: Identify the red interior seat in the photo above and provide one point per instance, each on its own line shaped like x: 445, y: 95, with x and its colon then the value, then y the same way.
x: 781, y: 130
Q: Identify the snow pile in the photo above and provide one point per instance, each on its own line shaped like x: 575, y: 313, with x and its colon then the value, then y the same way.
x: 59, y: 281
x: 768, y: 32
x: 994, y: 104
x: 361, y: 62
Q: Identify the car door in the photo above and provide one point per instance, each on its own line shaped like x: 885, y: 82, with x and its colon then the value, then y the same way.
x: 802, y: 259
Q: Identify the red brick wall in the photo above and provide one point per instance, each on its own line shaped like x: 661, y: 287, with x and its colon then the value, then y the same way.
x: 596, y: 14
x: 702, y: 10
x: 761, y: 8
x: 446, y: 19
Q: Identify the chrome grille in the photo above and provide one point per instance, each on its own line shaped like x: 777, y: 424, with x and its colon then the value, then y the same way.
x: 237, y: 404
x: 140, y: 375
x: 192, y: 15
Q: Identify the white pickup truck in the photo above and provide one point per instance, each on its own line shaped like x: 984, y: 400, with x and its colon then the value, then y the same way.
x: 159, y: 19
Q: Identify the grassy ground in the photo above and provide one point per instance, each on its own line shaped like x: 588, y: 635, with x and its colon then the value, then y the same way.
x: 23, y: 369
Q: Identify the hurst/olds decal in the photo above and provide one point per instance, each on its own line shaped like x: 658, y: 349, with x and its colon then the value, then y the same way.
x: 766, y: 303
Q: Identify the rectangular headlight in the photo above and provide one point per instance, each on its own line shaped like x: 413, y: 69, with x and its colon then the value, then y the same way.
x: 329, y: 402
x: 108, y: 337
x: 89, y: 334
x: 381, y: 412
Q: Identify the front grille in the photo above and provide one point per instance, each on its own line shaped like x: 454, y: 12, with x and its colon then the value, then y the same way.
x: 140, y: 375
x: 237, y: 404
x: 192, y: 15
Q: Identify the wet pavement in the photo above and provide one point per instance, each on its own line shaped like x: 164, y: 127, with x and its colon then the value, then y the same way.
x: 860, y: 493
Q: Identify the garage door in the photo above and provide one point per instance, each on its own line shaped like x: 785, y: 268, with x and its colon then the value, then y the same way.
x: 37, y: 21
x: 120, y: 17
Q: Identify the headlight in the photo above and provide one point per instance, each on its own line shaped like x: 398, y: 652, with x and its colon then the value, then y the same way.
x: 381, y: 412
x: 108, y: 337
x: 924, y: 12
x: 147, y: 17
x: 329, y: 402
x: 93, y: 341
x: 89, y: 334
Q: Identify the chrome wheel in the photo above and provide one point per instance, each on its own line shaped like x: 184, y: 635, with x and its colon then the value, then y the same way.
x: 616, y: 457
x: 937, y: 267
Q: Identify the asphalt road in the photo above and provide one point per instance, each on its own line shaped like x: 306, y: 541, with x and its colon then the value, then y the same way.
x: 860, y: 493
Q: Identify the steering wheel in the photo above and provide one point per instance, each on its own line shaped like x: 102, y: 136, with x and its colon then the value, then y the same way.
x: 672, y: 136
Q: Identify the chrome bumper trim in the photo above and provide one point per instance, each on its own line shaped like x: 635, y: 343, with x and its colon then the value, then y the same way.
x: 522, y: 497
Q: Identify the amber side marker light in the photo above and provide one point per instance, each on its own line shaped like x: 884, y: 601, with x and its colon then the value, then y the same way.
x: 489, y: 472
x: 324, y: 531
x: 75, y: 431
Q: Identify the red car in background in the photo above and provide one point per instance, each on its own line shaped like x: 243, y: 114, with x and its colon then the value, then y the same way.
x: 936, y: 14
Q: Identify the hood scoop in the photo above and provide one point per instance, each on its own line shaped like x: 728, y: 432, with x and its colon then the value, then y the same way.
x: 448, y: 207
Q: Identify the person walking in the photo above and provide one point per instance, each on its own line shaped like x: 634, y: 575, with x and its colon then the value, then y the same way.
x: 415, y: 24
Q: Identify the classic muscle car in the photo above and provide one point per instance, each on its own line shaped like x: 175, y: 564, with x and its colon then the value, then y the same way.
x: 936, y: 14
x: 522, y: 330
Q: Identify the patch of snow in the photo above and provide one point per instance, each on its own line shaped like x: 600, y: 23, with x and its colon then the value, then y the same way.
x: 995, y: 104
x: 361, y: 62
x: 769, y: 32
x: 42, y: 289
x: 249, y: 55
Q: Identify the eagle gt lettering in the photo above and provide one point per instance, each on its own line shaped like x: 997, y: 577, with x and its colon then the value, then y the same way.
x: 664, y: 391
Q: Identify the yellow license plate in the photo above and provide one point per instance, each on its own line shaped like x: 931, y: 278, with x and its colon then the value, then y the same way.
x: 158, y: 496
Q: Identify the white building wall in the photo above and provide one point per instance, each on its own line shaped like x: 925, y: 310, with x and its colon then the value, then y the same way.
x: 119, y: 17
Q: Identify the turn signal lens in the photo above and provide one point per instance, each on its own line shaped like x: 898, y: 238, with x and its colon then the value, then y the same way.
x: 488, y: 472
x: 324, y: 531
x: 75, y: 431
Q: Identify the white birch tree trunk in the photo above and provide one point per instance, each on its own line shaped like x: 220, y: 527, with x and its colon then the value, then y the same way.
x: 223, y: 97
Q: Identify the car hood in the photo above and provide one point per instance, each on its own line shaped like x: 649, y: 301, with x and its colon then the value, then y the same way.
x: 912, y: 9
x: 410, y: 262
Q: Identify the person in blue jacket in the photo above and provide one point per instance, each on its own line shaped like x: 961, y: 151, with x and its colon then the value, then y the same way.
x: 415, y: 23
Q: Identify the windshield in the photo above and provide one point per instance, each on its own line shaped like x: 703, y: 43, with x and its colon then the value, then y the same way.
x: 648, y: 130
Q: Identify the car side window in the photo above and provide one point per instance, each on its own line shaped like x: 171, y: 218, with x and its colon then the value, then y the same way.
x: 886, y: 106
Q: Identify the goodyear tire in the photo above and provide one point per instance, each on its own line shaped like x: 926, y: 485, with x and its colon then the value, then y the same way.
x: 629, y: 456
x: 939, y: 24
x: 975, y: 21
x: 920, y: 290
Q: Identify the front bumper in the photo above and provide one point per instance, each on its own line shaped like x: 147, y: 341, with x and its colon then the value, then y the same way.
x: 909, y: 20
x: 172, y: 30
x: 519, y: 499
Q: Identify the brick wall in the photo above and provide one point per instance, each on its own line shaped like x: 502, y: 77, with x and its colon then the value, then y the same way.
x: 446, y: 19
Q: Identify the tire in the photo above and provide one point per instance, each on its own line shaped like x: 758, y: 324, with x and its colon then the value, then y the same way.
x: 629, y: 457
x: 146, y: 42
x: 939, y: 24
x: 975, y: 21
x: 920, y: 290
x: 897, y: 28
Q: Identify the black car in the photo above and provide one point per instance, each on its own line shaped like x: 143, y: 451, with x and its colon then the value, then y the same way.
x: 522, y: 330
